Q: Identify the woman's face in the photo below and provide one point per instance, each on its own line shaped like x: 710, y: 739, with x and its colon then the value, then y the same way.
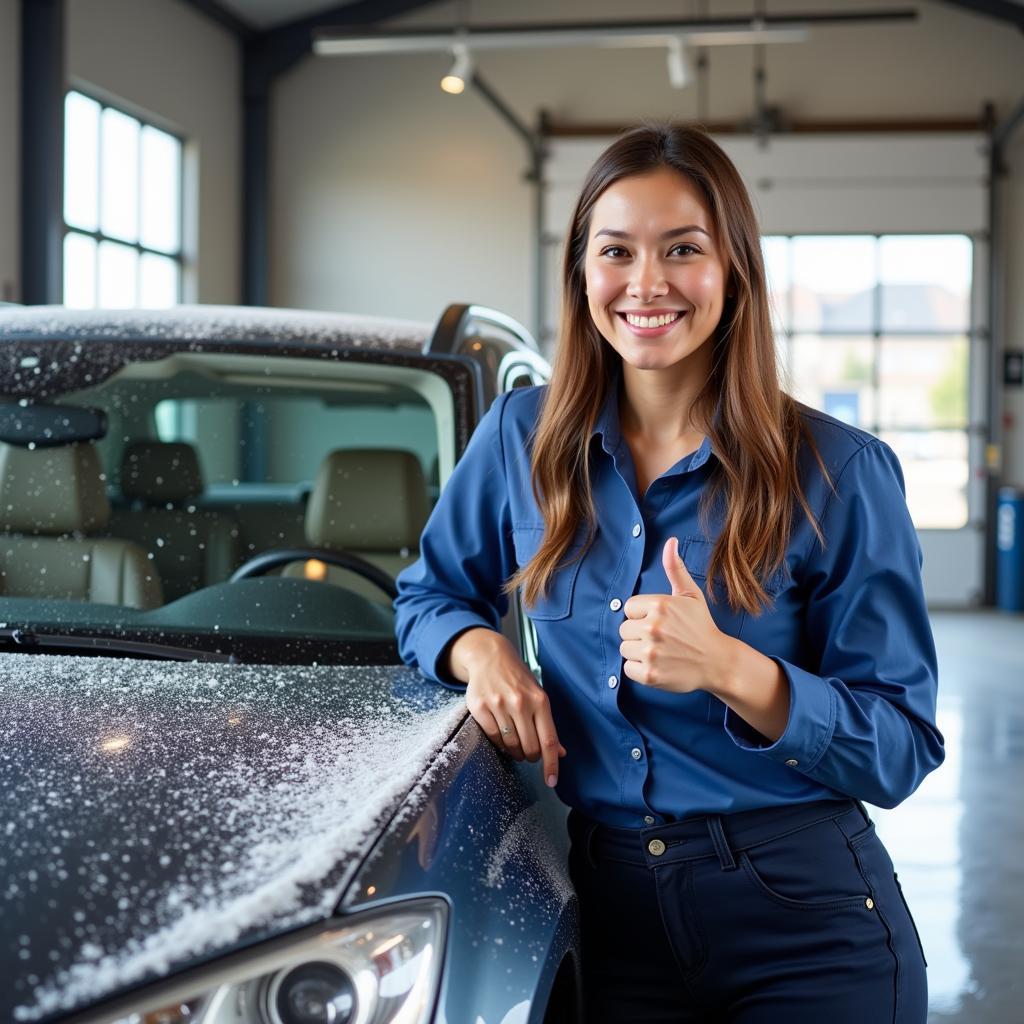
x: 651, y: 253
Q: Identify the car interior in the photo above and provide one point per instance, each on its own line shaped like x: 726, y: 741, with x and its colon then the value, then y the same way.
x: 208, y: 460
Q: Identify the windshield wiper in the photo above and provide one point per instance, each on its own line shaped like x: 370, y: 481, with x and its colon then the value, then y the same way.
x: 29, y: 639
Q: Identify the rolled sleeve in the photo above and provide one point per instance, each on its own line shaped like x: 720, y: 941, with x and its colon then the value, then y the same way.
x: 863, y: 724
x: 466, y: 555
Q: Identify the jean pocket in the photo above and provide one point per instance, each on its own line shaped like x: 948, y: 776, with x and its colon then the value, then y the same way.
x: 556, y: 603
x: 810, y: 869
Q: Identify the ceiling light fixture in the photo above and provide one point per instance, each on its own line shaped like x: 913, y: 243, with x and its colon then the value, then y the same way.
x: 455, y: 81
x: 676, y: 36
x: 345, y: 43
x: 679, y: 71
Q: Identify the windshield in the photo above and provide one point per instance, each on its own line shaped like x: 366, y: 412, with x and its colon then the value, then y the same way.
x: 209, y: 461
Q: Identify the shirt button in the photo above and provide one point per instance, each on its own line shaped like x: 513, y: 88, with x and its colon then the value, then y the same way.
x: 613, y: 681
x: 636, y: 529
x: 791, y: 763
x: 648, y: 819
x: 637, y: 753
x: 615, y: 604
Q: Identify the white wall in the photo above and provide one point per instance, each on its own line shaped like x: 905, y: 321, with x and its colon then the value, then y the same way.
x: 10, y: 120
x: 390, y: 197
x: 163, y: 58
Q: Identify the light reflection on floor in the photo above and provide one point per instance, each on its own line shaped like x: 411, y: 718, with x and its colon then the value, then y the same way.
x: 922, y: 838
x: 958, y: 842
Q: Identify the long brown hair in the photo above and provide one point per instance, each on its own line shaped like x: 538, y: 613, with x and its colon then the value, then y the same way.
x: 757, y: 431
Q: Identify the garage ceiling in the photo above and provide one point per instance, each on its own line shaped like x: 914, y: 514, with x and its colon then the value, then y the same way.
x: 268, y: 14
x: 1005, y: 10
x: 262, y: 14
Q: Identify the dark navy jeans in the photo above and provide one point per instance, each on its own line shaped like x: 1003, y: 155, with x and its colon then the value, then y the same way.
x: 789, y: 915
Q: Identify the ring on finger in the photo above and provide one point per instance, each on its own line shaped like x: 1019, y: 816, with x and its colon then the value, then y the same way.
x: 505, y: 730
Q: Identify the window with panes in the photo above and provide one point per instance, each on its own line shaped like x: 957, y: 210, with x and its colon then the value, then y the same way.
x: 875, y: 330
x: 122, y: 208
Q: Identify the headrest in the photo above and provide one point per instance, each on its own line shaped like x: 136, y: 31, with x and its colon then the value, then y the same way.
x: 368, y: 499
x: 52, y: 491
x: 157, y: 472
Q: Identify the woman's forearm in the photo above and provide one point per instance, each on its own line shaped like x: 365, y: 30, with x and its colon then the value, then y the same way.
x: 755, y: 688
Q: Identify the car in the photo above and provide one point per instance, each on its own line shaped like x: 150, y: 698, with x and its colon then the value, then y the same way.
x: 223, y: 796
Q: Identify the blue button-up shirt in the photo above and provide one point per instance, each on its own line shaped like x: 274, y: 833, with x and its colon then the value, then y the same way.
x: 849, y: 627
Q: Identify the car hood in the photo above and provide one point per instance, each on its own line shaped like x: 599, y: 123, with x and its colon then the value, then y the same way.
x: 155, y: 814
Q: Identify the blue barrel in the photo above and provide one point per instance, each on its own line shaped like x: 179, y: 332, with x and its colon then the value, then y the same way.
x: 1010, y: 549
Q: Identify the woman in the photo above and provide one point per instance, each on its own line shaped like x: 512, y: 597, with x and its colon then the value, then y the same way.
x: 733, y: 638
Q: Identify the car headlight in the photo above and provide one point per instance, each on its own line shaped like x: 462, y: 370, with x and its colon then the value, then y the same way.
x: 382, y: 968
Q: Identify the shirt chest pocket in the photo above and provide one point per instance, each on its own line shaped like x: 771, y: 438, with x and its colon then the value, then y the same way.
x: 557, y: 602
x: 697, y: 557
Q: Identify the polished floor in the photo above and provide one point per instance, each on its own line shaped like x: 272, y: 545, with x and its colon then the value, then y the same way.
x: 958, y: 842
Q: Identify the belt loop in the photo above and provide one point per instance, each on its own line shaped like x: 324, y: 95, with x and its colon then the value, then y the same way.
x: 863, y: 810
x: 718, y: 840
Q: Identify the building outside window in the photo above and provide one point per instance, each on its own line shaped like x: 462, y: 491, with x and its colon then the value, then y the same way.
x: 122, y: 209
x: 875, y: 330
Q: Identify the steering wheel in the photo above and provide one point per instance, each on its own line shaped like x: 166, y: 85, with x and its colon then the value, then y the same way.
x: 267, y: 560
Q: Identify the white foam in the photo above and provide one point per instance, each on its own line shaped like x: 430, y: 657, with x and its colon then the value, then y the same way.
x: 264, y: 814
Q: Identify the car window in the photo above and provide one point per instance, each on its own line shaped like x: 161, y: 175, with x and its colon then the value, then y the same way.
x: 210, y: 460
x: 265, y: 438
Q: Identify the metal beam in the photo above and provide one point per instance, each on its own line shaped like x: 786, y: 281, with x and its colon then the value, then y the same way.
x: 364, y: 12
x: 1002, y: 10
x: 222, y: 16
x: 609, y: 129
x: 728, y: 30
x: 291, y: 42
x: 42, y: 150
x: 256, y: 83
x: 505, y: 111
x: 994, y: 454
x: 1005, y: 128
x: 1000, y: 132
x: 536, y: 153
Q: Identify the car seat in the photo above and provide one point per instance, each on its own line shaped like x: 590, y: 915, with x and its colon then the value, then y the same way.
x: 51, y: 499
x: 372, y: 502
x: 191, y: 547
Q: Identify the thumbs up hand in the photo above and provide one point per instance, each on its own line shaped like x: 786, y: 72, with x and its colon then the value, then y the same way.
x: 670, y: 641
x: 678, y: 575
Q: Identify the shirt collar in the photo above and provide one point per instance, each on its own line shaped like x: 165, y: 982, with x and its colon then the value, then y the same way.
x: 607, y: 423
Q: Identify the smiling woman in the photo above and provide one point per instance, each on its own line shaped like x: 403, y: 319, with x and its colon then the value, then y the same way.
x: 684, y: 243
x: 732, y: 634
x: 656, y: 284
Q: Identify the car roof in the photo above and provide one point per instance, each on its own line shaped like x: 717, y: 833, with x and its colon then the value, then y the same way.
x: 189, y: 323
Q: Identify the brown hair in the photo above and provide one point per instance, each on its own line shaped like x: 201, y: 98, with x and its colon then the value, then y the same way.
x: 758, y: 430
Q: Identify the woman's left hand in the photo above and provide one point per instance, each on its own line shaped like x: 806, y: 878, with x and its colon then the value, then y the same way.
x: 670, y: 641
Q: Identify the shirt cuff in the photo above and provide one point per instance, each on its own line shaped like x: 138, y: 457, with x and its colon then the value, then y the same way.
x: 808, y: 732
x: 435, y: 637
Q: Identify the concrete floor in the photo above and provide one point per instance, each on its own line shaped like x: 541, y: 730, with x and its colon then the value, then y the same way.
x: 958, y: 842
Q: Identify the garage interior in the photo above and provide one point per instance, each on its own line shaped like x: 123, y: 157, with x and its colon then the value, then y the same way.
x: 310, y: 158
